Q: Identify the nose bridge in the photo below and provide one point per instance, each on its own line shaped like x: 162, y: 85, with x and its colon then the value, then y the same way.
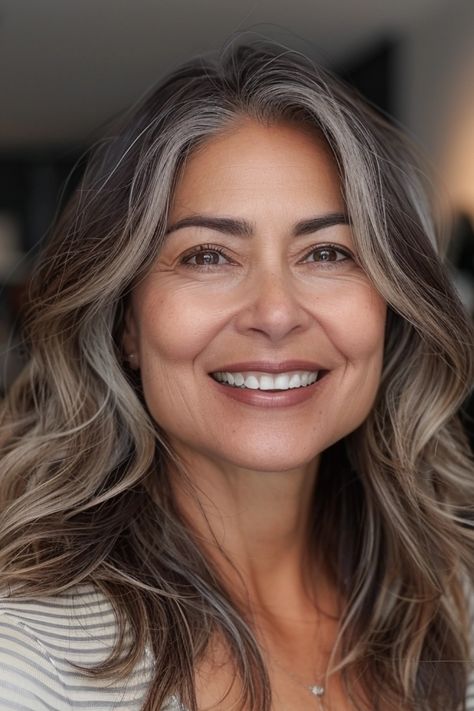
x: 274, y: 282
x: 272, y: 302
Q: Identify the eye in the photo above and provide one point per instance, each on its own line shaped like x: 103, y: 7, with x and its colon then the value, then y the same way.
x: 328, y: 254
x: 206, y: 255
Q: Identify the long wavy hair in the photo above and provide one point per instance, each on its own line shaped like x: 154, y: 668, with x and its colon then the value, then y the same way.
x: 85, y: 493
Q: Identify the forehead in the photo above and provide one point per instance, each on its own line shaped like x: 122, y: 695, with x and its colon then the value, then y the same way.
x: 250, y: 159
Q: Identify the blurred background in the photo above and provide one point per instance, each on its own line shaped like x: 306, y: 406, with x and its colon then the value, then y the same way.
x: 67, y: 68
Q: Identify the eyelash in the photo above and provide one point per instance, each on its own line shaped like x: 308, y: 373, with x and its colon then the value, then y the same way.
x: 202, y: 248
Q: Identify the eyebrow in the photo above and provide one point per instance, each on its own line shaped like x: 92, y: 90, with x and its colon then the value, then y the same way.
x: 242, y: 228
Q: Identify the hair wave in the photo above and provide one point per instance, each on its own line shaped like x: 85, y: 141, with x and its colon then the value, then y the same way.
x: 84, y: 489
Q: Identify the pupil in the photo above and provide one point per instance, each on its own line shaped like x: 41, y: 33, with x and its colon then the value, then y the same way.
x: 325, y: 255
x: 206, y: 258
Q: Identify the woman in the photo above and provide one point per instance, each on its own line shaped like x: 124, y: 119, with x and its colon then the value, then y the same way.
x: 234, y: 457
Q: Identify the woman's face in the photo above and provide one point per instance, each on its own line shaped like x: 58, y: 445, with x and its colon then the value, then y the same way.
x: 271, y: 290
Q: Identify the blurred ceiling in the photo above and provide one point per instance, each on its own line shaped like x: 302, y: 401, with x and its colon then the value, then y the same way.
x: 67, y: 67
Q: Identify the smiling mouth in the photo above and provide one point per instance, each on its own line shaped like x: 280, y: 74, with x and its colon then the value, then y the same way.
x: 252, y: 383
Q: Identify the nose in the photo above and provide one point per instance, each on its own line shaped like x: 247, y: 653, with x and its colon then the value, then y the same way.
x: 273, y: 305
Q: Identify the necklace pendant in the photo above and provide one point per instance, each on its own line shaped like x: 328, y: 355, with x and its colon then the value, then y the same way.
x: 317, y: 690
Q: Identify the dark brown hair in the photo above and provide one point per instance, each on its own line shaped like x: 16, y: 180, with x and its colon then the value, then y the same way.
x: 84, y: 488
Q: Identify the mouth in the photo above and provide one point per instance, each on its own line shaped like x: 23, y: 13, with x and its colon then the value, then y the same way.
x: 269, y: 383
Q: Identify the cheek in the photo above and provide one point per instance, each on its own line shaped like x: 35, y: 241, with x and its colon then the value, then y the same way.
x: 356, y: 326
x: 175, y: 326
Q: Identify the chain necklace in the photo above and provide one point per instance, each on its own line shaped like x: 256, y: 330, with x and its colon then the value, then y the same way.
x: 316, y: 689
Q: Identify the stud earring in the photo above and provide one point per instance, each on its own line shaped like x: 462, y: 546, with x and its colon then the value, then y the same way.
x: 131, y: 357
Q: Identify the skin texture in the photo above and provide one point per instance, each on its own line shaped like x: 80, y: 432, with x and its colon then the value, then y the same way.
x: 268, y: 298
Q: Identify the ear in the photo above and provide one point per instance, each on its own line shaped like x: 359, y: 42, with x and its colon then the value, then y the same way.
x: 130, y: 337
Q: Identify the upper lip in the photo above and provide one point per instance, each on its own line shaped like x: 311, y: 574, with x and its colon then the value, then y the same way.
x: 268, y: 366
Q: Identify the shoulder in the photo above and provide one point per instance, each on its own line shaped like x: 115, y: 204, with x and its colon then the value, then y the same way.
x: 28, y: 679
x: 39, y: 637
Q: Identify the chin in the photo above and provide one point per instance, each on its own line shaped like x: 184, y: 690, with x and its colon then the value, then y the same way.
x: 277, y: 461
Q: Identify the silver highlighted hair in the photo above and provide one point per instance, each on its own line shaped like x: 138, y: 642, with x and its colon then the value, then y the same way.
x: 84, y: 487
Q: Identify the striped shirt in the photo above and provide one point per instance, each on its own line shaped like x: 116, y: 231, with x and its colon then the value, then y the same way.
x: 38, y: 637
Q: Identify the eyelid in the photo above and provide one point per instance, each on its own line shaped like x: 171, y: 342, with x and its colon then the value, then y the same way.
x: 336, y: 247
x: 202, y: 248
x: 193, y: 251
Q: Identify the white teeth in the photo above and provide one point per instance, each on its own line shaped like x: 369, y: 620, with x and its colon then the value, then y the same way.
x: 295, y: 381
x: 282, y: 382
x: 251, y: 382
x: 266, y: 381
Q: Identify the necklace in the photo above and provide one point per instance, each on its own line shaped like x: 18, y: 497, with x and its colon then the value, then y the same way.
x: 316, y: 689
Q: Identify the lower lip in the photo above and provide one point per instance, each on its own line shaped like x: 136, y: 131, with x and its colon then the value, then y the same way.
x: 266, y: 398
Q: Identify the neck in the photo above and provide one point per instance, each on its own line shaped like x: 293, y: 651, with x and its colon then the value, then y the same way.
x: 254, y: 526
